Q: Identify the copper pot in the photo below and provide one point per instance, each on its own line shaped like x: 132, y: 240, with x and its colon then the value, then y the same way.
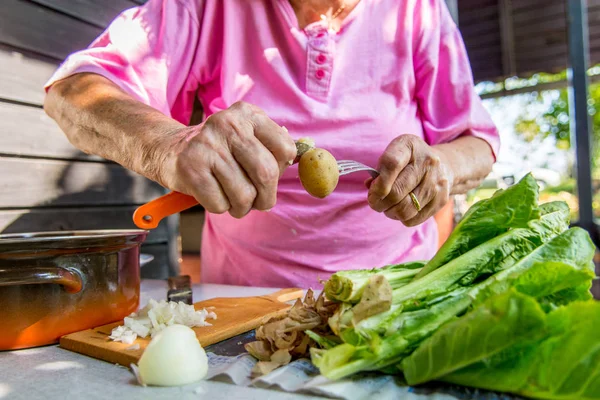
x: 55, y: 283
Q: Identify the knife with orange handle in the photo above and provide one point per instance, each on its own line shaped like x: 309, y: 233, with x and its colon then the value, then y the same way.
x: 149, y: 215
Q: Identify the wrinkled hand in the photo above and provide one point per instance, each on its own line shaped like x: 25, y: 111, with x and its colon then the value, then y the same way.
x: 230, y: 163
x: 410, y: 165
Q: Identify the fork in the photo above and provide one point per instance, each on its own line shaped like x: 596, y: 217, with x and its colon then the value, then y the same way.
x: 350, y: 166
x: 150, y: 214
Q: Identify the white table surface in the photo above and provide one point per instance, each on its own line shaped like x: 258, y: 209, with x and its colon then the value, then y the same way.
x: 53, y: 373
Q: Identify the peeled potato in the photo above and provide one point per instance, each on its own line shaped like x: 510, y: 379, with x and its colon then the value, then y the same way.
x: 318, y: 172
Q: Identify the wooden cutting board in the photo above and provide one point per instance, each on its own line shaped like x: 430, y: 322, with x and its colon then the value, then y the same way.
x: 235, y: 315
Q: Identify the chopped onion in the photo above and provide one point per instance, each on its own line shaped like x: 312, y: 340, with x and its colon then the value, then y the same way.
x: 134, y: 347
x: 173, y: 357
x: 122, y: 334
x: 139, y: 327
x: 156, y: 316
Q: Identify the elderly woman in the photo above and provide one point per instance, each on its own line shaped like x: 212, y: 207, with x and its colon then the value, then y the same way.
x: 383, y: 82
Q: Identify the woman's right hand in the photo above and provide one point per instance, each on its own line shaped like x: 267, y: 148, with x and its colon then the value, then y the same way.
x: 230, y: 163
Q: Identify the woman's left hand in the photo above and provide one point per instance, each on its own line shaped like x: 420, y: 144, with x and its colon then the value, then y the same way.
x: 414, y: 182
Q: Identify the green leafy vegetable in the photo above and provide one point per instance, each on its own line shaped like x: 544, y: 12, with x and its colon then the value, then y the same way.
x: 563, y: 297
x: 348, y: 285
x: 324, y: 342
x: 565, y: 364
x: 510, y: 208
x: 383, y: 340
x: 497, y: 254
x: 501, y: 322
x: 504, y: 305
x: 573, y: 247
x: 569, y: 361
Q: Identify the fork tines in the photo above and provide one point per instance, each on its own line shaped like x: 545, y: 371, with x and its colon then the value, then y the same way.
x: 349, y: 166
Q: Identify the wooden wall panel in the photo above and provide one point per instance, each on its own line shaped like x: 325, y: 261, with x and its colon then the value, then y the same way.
x: 99, y: 13
x: 550, y: 10
x: 480, y: 29
x: 29, y: 183
x: 28, y: 131
x: 28, y: 26
x: 539, y: 36
x: 23, y: 75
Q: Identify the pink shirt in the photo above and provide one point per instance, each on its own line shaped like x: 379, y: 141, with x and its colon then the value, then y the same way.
x: 395, y: 67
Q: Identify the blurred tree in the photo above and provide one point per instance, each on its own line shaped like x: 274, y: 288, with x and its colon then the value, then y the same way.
x: 554, y: 121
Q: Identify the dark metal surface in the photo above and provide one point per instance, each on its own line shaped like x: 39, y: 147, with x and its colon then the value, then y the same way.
x: 70, y: 280
x: 83, y: 240
x: 232, y: 347
x: 52, y: 284
x: 180, y: 289
x: 580, y: 120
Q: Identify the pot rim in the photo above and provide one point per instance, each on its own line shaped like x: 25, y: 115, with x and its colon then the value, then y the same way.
x: 72, y: 235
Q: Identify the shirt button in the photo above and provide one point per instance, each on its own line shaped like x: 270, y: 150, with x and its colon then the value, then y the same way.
x: 321, y: 59
x: 320, y: 74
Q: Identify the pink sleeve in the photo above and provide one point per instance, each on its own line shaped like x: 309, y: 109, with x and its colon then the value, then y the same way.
x: 148, y: 51
x: 445, y: 92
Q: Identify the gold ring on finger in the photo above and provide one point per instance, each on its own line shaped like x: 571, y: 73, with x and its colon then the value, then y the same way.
x: 415, y: 201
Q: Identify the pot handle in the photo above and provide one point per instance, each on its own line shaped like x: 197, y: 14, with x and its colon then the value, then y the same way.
x: 71, y: 281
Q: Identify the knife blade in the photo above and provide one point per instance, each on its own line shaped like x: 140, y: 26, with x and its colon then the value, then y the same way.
x: 233, y: 346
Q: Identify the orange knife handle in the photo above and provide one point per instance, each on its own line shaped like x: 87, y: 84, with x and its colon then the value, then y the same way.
x: 150, y: 214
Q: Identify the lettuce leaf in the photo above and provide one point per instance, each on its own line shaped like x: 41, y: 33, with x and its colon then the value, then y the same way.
x: 510, y: 208
x: 384, y: 340
x: 572, y: 247
x: 569, y: 361
x: 488, y: 311
x: 500, y: 323
x: 563, y: 365
x: 498, y: 254
x: 563, y: 297
x: 555, y: 218
x: 560, y: 359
